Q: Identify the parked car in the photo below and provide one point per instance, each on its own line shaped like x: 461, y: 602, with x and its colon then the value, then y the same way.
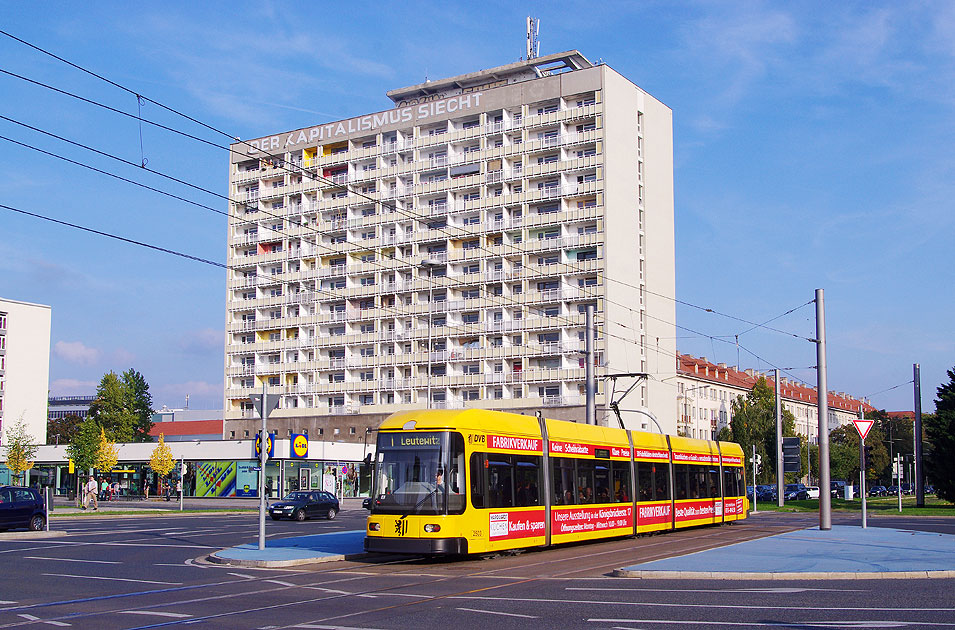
x: 766, y: 492
x: 929, y: 489
x: 21, y: 507
x: 812, y: 492
x: 908, y: 488
x: 749, y: 493
x: 892, y: 490
x: 301, y: 505
x: 837, y: 489
x: 877, y: 491
x: 795, y: 492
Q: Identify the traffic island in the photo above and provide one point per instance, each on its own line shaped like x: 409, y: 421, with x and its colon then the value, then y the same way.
x: 845, y: 552
x: 287, y: 552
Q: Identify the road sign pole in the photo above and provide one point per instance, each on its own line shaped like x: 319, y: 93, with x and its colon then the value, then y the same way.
x: 862, y: 426
x: 264, y: 405
x: 754, y: 479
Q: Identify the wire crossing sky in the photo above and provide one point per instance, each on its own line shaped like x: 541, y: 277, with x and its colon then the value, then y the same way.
x: 811, y: 150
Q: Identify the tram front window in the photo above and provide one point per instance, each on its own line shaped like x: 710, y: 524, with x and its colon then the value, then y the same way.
x: 419, y: 473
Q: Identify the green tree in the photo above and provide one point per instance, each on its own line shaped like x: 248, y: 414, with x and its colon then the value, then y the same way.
x: 896, y: 439
x: 940, y: 433
x: 754, y: 424
x: 83, y: 448
x: 62, y: 429
x: 123, y: 407
x: 20, y: 449
x: 140, y: 403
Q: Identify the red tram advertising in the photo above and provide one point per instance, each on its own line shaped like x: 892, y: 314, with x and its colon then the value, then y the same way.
x: 475, y: 481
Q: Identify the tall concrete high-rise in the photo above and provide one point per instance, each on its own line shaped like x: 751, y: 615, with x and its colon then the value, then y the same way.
x: 441, y: 253
x: 24, y: 367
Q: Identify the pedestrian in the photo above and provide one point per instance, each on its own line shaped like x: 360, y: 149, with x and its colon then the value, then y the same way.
x: 179, y: 490
x: 145, y: 490
x: 168, y: 486
x: 104, y: 488
x: 90, y: 494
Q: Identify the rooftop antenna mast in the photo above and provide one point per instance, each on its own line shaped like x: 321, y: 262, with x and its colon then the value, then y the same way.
x: 533, y: 43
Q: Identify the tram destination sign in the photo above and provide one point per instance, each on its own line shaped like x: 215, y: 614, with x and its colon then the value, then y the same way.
x: 409, y: 441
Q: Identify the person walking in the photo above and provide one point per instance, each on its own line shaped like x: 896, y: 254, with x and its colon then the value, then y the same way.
x: 90, y: 495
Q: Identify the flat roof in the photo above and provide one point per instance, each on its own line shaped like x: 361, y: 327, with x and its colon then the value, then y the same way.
x: 569, y: 60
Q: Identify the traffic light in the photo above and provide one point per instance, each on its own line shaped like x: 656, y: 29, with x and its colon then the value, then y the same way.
x: 792, y: 462
x: 759, y: 463
x: 866, y: 456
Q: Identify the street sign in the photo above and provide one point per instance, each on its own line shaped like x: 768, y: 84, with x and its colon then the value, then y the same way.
x: 862, y: 426
x: 257, y: 446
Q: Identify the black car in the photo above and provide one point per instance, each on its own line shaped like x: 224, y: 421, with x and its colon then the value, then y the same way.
x: 21, y: 507
x: 301, y: 505
x: 877, y: 491
x: 766, y: 492
x: 795, y: 492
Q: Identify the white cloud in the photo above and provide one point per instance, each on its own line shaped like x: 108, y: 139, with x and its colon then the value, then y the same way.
x: 76, y: 352
x: 72, y: 387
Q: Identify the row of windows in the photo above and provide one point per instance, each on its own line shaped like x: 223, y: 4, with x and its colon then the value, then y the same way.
x: 504, y: 481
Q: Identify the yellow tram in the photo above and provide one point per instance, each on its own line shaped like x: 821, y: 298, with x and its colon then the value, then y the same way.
x: 476, y: 481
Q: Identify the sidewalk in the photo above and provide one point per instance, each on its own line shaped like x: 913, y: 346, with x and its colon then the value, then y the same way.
x: 64, y: 507
x: 845, y: 552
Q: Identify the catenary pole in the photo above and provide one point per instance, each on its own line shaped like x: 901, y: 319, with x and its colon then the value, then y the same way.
x: 589, y: 372
x: 917, y: 439
x: 822, y: 399
x: 263, y: 454
x: 780, y: 499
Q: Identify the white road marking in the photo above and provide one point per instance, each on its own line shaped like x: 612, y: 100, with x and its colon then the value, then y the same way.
x: 494, y: 612
x: 601, y: 602
x: 7, y: 601
x: 98, y: 577
x: 243, y: 575
x: 775, y: 624
x: 73, y: 560
x: 52, y: 623
x: 780, y: 590
x: 280, y: 582
x: 154, y: 612
x: 318, y: 627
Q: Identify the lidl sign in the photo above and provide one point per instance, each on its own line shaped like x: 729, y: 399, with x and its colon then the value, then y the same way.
x: 257, y: 448
x: 299, y: 446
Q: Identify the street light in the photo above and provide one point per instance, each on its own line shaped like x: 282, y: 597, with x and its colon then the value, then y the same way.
x: 429, y: 264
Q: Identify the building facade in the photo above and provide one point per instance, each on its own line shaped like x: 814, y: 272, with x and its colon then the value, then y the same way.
x: 442, y: 253
x: 63, y: 406
x: 24, y: 366
x: 705, y: 394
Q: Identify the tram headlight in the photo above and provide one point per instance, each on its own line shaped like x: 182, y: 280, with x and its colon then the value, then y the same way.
x: 431, y: 529
x: 374, y: 527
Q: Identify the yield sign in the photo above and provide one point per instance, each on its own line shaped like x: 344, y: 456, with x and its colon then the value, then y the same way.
x: 862, y: 426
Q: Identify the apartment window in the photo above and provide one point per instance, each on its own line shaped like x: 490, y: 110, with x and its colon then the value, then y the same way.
x: 551, y: 311
x: 587, y: 254
x: 470, y: 318
x: 275, y: 314
x: 273, y: 380
x: 368, y: 328
x: 367, y: 376
x: 473, y: 220
x: 367, y: 352
x: 547, y: 159
x: 472, y: 244
x: 470, y: 394
x: 439, y: 321
x: 336, y: 331
x: 476, y: 268
x: 470, y: 294
x: 497, y: 342
x: 336, y: 377
x: 275, y: 336
x: 439, y: 370
x: 548, y: 209
x: 368, y: 281
x: 471, y: 368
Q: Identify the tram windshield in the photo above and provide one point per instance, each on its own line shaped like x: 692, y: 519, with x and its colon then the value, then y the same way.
x: 419, y: 473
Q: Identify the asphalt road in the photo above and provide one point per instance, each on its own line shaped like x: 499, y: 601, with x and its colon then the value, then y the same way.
x: 147, y: 572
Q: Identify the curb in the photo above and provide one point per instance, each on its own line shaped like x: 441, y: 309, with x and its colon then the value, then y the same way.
x: 278, y: 564
x: 807, y: 575
x: 31, y: 535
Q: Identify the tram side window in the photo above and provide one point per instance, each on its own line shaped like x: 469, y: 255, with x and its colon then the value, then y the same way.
x: 621, y: 482
x: 527, y: 480
x: 697, y: 482
x: 740, y: 484
x: 565, y: 492
x: 503, y: 481
x: 500, y: 482
x: 713, y: 480
x: 729, y: 482
x: 661, y: 475
x: 645, y: 481
x: 455, y: 477
x: 477, y: 479
x: 602, y: 482
x: 681, y: 482
x: 585, y: 482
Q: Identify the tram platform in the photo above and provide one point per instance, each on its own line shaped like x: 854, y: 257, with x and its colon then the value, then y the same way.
x: 286, y: 552
x: 844, y: 552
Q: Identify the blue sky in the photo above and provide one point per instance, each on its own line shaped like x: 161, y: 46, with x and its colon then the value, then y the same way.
x: 812, y: 149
